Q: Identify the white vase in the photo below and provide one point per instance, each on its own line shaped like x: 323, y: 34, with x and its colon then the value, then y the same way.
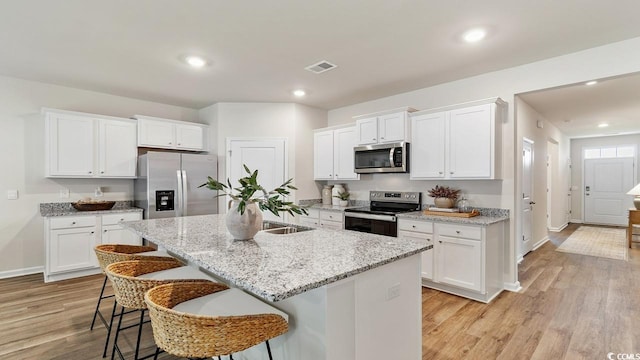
x: 344, y: 203
x: 337, y: 188
x: 243, y: 226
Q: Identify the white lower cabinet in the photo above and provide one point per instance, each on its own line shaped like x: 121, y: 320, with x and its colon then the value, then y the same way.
x: 70, y: 240
x: 466, y: 260
x: 410, y: 229
x: 323, y: 219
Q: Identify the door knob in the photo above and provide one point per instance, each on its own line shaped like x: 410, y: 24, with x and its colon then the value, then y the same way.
x: 532, y: 202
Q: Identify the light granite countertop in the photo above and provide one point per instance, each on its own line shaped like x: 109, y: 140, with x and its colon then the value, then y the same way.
x: 335, y: 208
x: 481, y: 219
x: 65, y: 209
x: 275, y: 267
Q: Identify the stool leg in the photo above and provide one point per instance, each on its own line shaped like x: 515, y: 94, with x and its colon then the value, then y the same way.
x: 139, y: 334
x: 115, y: 340
x: 268, y: 349
x: 106, y: 341
x: 95, y: 313
x: 155, y: 356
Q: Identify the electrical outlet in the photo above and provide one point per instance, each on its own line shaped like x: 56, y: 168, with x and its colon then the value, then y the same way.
x: 393, y: 291
x: 64, y: 193
x: 12, y: 194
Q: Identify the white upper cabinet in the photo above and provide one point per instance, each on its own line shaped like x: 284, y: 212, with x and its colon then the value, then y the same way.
x: 170, y: 134
x: 333, y: 154
x: 87, y: 145
x: 117, y: 150
x: 386, y: 127
x: 428, y: 146
x: 323, y: 155
x: 458, y: 142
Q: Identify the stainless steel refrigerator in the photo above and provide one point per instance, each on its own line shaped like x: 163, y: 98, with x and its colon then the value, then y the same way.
x: 167, y: 184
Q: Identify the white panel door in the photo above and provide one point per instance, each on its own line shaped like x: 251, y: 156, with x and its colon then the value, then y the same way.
x: 323, y: 155
x: 526, y: 244
x: 71, y: 145
x: 391, y: 128
x: 367, y: 131
x: 470, y: 134
x: 606, y: 183
x: 189, y: 137
x: 428, y: 146
x: 344, y: 140
x: 117, y: 148
x: 459, y: 262
x: 268, y: 156
x: 156, y: 133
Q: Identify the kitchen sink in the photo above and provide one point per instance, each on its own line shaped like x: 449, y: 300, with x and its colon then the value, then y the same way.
x: 273, y: 227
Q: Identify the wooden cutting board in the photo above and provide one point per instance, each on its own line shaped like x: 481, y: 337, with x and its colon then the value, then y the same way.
x: 461, y: 215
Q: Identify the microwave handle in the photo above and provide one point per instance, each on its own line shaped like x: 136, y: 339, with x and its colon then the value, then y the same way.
x: 391, y: 157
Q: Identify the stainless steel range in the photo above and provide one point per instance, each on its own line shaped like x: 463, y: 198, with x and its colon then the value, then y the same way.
x: 380, y: 216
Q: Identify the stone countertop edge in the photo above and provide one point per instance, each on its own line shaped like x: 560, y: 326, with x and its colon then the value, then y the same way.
x: 273, y: 267
x: 65, y: 209
x: 476, y: 220
x: 274, y: 297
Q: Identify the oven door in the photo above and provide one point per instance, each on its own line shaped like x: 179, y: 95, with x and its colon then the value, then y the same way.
x: 371, y: 223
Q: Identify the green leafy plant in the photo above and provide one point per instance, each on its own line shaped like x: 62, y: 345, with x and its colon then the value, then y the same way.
x: 250, y: 191
x: 444, y: 192
x: 343, y: 195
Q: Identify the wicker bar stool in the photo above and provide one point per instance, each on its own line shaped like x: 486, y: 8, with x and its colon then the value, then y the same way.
x: 197, y: 320
x: 109, y: 254
x: 130, y: 281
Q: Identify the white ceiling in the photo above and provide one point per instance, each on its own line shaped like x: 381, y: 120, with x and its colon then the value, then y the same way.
x: 258, y: 49
x: 578, y: 109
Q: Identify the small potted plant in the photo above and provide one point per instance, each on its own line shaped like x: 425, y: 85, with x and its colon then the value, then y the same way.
x: 344, y: 198
x: 444, y: 196
x: 243, y: 218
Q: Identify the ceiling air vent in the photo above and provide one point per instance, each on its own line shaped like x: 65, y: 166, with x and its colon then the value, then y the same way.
x: 321, y: 67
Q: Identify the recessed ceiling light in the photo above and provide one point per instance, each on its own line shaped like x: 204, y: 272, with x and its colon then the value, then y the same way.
x: 603, y: 125
x: 474, y: 35
x: 195, y: 61
x: 589, y: 83
x: 299, y: 93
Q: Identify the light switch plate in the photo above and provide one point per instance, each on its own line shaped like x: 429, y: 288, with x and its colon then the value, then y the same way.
x: 12, y: 194
x: 64, y: 193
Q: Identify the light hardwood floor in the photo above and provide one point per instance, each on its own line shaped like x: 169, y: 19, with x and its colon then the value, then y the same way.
x: 571, y: 307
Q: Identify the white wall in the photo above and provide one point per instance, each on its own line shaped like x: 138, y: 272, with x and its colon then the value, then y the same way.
x: 528, y: 119
x: 276, y: 120
x: 601, y: 62
x: 577, y: 145
x: 22, y: 160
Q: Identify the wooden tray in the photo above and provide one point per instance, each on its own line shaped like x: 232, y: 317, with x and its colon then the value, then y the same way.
x: 461, y: 215
x: 93, y: 206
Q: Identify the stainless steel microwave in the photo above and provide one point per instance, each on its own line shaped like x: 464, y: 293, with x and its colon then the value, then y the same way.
x: 382, y: 158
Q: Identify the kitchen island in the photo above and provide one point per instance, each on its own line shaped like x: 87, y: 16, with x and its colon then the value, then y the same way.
x: 349, y: 295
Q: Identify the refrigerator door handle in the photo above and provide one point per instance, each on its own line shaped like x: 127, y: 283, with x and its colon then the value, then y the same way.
x: 185, y: 192
x: 179, y: 192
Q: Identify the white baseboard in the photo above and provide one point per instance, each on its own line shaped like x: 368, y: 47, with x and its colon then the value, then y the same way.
x: 520, y: 258
x: 558, y: 229
x: 21, y: 272
x: 513, y: 287
x: 576, y: 221
x: 537, y: 245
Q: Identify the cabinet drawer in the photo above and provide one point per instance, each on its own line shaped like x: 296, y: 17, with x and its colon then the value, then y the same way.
x: 113, y: 219
x: 67, y: 222
x: 313, y: 213
x: 328, y: 224
x: 415, y: 225
x: 461, y: 231
x: 331, y: 216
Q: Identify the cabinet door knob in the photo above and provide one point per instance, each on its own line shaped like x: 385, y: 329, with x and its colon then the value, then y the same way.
x: 101, y: 172
x: 122, y: 219
x: 457, y: 231
x: 373, y: 139
x: 93, y: 232
x: 440, y: 172
x: 382, y: 138
x: 105, y: 230
x: 429, y: 239
x: 169, y: 142
x: 450, y: 172
x: 440, y: 241
x: 90, y: 172
x: 179, y: 144
x: 413, y: 226
x: 73, y: 223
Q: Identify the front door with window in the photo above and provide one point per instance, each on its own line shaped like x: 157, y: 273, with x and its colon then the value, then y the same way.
x: 606, y: 183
